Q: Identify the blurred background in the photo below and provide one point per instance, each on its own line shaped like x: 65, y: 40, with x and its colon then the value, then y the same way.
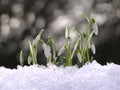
x: 21, y: 20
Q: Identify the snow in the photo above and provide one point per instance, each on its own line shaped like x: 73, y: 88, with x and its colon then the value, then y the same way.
x: 91, y: 76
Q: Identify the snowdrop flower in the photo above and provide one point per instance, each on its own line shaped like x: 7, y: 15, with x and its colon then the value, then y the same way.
x: 95, y: 27
x: 46, y: 50
x: 66, y: 33
x: 79, y: 57
x: 29, y: 59
x: 93, y: 48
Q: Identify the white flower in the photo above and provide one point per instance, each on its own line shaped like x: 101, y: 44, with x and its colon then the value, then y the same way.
x: 79, y: 57
x: 46, y: 50
x: 95, y: 28
x: 29, y: 59
x: 93, y: 48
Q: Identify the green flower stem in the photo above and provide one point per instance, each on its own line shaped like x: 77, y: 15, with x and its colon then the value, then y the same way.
x: 68, y: 52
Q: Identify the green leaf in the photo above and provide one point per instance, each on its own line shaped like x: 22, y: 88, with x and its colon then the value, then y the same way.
x: 75, y: 47
x: 31, y: 48
x: 86, y: 17
x: 90, y: 36
x: 78, y: 32
x: 34, y: 47
x: 61, y: 61
x: 61, y: 51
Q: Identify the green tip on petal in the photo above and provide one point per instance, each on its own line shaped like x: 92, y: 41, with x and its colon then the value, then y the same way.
x: 93, y: 20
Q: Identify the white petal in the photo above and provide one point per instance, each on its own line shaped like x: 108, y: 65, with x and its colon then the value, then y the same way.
x: 46, y: 50
x: 21, y: 58
x: 66, y: 32
x: 93, y: 48
x: 95, y: 28
x: 36, y: 40
x: 29, y: 59
x: 79, y: 57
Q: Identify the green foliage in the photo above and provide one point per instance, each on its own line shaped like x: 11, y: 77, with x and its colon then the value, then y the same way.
x: 81, y: 47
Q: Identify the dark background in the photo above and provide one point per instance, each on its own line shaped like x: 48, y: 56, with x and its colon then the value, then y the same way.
x: 21, y: 20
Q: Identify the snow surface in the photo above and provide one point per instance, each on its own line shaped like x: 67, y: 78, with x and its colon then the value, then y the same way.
x: 90, y: 77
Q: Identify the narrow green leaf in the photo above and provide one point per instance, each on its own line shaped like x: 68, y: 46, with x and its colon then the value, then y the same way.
x: 61, y: 51
x: 31, y: 49
x: 90, y: 36
x: 34, y: 48
x: 78, y: 32
x: 75, y: 47
x: 86, y: 17
x: 61, y: 61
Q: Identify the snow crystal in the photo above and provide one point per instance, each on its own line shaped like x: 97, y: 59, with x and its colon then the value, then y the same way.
x: 90, y: 77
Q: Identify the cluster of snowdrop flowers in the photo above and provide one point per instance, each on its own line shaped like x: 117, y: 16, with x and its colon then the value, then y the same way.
x: 81, y: 48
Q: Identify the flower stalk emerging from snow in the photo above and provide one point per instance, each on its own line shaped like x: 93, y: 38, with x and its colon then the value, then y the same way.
x: 81, y: 47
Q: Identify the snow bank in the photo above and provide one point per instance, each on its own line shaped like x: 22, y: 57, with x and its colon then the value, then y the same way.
x: 90, y: 77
